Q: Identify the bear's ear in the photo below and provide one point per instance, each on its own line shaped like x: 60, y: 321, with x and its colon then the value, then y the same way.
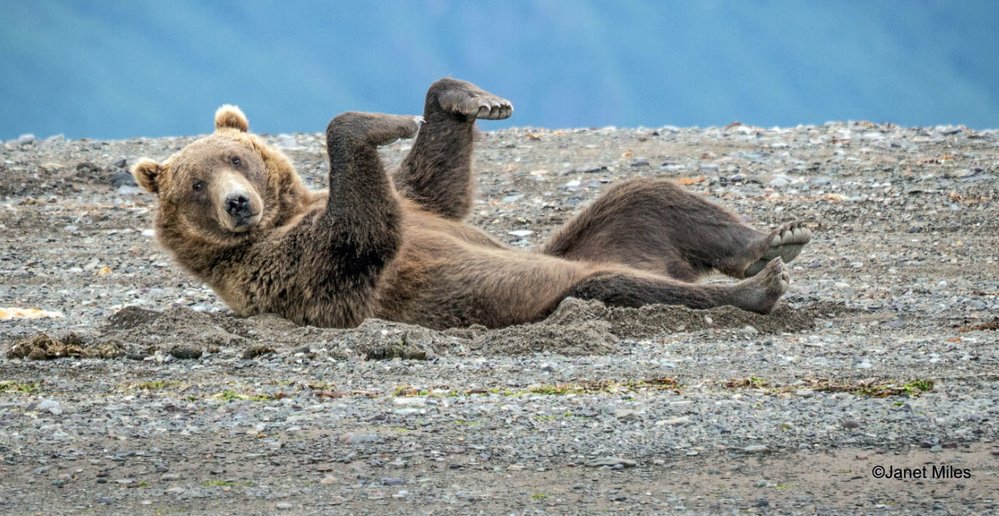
x: 230, y: 117
x: 147, y: 173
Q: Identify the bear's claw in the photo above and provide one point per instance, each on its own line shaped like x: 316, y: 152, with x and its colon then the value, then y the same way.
x: 468, y: 99
x: 786, y: 242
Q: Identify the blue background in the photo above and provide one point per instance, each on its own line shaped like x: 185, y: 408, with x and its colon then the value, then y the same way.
x: 118, y: 69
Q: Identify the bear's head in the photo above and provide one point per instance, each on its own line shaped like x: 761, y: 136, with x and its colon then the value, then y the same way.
x: 222, y: 189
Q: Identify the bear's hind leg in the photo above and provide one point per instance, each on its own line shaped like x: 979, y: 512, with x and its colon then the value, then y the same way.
x: 635, y: 289
x: 437, y: 173
x: 658, y: 226
x: 785, y: 242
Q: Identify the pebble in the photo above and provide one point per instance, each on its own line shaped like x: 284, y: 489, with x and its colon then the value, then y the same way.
x: 779, y: 181
x: 626, y: 414
x: 355, y: 438
x: 120, y: 179
x: 50, y: 406
x: 185, y: 352
x: 756, y: 448
x: 611, y: 461
x: 520, y: 233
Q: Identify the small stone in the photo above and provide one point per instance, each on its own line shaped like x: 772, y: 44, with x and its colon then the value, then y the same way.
x: 184, y: 352
x: 513, y: 198
x: 393, y: 481
x: 256, y: 351
x: 353, y: 438
x: 851, y: 423
x: 415, y: 401
x: 749, y: 330
x: 674, y: 421
x: 328, y: 480
x: 50, y: 406
x: 125, y: 190
x: 755, y: 448
x: 284, y: 506
x: 611, y: 462
x: 779, y: 181
x: 26, y: 139
x: 520, y: 233
x: 626, y: 414
x: 121, y: 179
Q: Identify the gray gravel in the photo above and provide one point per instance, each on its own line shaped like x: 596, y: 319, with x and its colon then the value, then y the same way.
x: 884, y: 352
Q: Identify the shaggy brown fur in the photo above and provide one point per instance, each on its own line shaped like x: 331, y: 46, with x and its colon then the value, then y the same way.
x: 234, y: 213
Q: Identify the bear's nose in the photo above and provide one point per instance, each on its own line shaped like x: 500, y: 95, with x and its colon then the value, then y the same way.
x: 238, y: 205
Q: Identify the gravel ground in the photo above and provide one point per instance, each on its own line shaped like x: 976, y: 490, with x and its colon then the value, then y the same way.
x: 142, y: 393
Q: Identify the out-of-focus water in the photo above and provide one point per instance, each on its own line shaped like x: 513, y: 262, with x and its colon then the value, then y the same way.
x: 112, y: 69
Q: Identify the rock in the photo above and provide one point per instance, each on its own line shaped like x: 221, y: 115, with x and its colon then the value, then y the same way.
x: 125, y: 190
x: 626, y: 414
x: 120, y: 179
x: 256, y: 351
x: 779, y: 181
x: 520, y: 233
x: 185, y: 352
x: 26, y: 139
x: 50, y: 406
x: 756, y: 448
x: 512, y: 198
x: 284, y: 506
x: 410, y: 401
x: 355, y: 438
x: 963, y: 173
x: 611, y: 462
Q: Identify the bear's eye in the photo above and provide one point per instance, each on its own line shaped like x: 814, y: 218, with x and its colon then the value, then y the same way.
x: 236, y: 161
x: 199, y: 186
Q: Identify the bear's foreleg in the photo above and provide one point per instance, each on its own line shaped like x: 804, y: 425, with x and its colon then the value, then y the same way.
x: 342, y: 253
x: 437, y: 172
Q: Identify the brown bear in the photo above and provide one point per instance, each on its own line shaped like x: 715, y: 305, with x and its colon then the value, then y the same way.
x: 233, y: 211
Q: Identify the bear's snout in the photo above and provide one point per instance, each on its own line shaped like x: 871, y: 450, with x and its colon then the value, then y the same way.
x: 238, y: 205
